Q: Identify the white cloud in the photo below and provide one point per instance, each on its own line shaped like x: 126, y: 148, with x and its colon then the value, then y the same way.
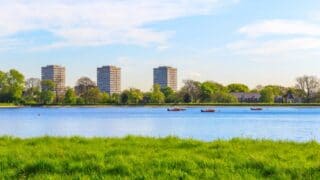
x: 99, y: 22
x: 278, y: 39
x: 271, y: 47
x: 280, y: 27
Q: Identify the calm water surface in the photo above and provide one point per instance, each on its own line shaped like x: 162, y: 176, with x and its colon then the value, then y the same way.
x: 299, y: 124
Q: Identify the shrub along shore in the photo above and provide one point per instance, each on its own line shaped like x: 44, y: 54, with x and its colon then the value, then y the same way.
x: 156, y: 158
x: 14, y: 88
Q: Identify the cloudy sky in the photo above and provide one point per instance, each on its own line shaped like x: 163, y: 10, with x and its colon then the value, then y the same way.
x: 247, y: 41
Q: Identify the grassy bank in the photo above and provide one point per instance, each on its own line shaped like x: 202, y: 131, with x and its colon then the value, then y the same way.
x: 149, y: 158
x: 7, y: 105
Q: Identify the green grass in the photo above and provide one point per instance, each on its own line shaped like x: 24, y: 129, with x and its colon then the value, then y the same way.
x: 7, y: 105
x: 151, y: 158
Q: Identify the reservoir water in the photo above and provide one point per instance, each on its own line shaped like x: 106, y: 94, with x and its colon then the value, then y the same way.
x: 277, y: 123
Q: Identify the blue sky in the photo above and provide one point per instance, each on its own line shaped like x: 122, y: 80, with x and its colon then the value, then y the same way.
x: 246, y: 41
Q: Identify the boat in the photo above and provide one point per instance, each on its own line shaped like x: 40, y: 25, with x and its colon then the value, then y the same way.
x: 208, y: 110
x: 176, y: 109
x: 256, y: 109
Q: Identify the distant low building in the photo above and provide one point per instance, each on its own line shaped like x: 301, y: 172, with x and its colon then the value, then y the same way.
x: 247, y: 97
x: 279, y: 99
x: 290, y: 98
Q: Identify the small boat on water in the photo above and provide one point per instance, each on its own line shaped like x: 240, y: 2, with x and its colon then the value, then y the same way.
x: 175, y: 109
x: 208, y: 110
x: 256, y: 109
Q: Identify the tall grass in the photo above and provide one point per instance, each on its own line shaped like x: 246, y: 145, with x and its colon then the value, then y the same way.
x: 152, y: 158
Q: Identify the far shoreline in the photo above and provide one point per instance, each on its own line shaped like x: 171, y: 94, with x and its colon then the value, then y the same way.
x: 161, y: 105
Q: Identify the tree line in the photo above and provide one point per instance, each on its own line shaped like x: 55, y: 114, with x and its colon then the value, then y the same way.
x: 15, y: 89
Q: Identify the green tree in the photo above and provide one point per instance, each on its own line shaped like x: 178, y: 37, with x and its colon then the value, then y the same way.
x: 169, y: 94
x: 223, y: 97
x: 124, y: 97
x: 277, y: 90
x: 193, y: 89
x: 105, y: 98
x: 114, y: 98
x: 157, y: 96
x: 80, y: 101
x: 187, y: 98
x: 209, y: 88
x: 83, y: 85
x: 267, y: 95
x: 135, y: 96
x: 11, y: 86
x: 92, y: 96
x: 234, y: 88
x: 167, y: 91
x: 32, y: 91
x: 48, y: 85
x: 147, y: 97
x: 47, y: 97
x: 70, y: 97
x: 131, y: 96
x: 16, y: 82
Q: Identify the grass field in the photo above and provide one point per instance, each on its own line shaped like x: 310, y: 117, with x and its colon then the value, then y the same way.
x: 150, y: 158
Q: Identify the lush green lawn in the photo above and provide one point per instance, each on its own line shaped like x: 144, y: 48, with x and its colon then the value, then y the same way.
x: 148, y: 158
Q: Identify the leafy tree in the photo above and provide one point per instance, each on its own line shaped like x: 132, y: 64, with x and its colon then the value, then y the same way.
x: 11, y: 86
x: 33, y: 83
x: 157, y: 96
x: 48, y: 85
x: 92, y: 96
x: 170, y: 95
x: 32, y: 95
x: 105, y: 98
x: 193, y: 89
x: 48, y: 94
x: 70, y: 97
x: 187, y: 98
x: 124, y: 97
x: 131, y: 96
x: 146, y: 97
x: 114, y: 98
x: 267, y: 95
x: 210, y: 88
x: 83, y: 85
x: 223, y: 97
x: 277, y: 90
x: 167, y: 91
x: 308, y: 85
x: 32, y: 91
x: 135, y: 96
x: 173, y: 98
x: 16, y: 82
x: 80, y: 101
x: 47, y: 97
x: 234, y: 88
